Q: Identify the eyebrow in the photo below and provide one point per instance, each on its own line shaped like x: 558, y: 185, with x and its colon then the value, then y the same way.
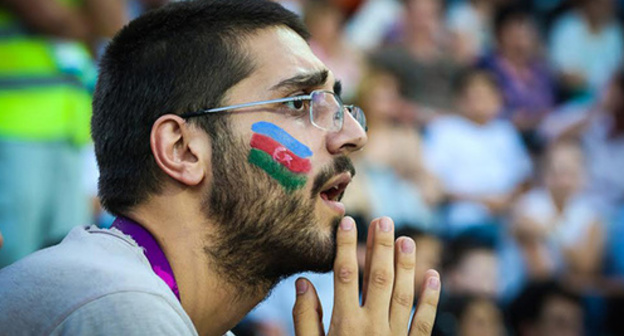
x: 303, y: 81
x: 338, y: 88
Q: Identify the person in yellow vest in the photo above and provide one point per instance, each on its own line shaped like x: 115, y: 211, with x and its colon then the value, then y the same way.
x: 47, y: 75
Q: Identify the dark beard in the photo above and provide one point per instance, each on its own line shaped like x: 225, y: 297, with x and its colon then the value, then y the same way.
x: 263, y: 234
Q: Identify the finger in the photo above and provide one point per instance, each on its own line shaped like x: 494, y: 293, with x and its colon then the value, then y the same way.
x: 367, y: 261
x: 424, y: 317
x: 307, y: 312
x: 403, y: 293
x: 346, y: 268
x: 381, y: 275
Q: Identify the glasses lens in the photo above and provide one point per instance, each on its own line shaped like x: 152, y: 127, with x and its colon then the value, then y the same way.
x: 327, y: 110
x: 358, y: 114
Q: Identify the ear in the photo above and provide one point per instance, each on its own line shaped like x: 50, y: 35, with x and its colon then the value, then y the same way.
x: 179, y: 150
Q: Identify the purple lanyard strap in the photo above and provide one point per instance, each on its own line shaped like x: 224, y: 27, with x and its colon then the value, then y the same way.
x: 151, y: 249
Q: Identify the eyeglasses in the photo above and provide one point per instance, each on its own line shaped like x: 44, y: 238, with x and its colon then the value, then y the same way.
x: 325, y: 108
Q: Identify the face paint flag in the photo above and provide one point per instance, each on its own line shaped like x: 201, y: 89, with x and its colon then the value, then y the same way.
x: 280, y: 155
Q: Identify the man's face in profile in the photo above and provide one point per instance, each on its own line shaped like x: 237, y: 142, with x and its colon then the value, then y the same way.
x: 268, y: 225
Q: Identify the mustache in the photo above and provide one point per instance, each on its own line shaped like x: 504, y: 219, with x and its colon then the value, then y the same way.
x: 341, y: 164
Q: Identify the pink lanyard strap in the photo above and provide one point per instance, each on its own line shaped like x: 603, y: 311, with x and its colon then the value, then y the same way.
x: 151, y: 249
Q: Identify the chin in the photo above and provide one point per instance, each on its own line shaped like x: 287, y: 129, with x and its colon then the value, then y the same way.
x: 320, y: 252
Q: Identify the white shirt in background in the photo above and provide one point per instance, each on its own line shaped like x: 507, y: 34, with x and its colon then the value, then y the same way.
x: 475, y: 160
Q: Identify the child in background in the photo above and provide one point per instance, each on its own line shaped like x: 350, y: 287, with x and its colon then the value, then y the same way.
x: 546, y: 309
x: 392, y: 179
x: 480, y: 159
x: 469, y: 315
x: 470, y: 268
x: 558, y: 230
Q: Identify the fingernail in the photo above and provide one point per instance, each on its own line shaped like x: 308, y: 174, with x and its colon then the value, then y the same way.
x: 302, y: 286
x: 384, y: 225
x: 407, y: 246
x: 434, y: 283
x: 346, y: 224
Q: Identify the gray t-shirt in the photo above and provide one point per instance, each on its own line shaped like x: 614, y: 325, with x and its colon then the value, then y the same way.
x: 95, y: 282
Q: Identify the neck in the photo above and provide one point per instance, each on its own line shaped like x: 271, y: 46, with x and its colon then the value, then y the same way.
x: 515, y: 60
x: 559, y: 200
x: 595, y: 25
x: 422, y: 45
x: 203, y: 287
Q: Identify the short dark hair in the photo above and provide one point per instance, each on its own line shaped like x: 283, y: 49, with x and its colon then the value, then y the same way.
x: 529, y: 305
x: 180, y: 58
x: 461, y: 247
x: 510, y: 13
x: 466, y: 77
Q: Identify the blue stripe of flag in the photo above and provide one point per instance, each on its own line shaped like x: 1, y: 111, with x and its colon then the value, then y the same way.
x: 276, y: 133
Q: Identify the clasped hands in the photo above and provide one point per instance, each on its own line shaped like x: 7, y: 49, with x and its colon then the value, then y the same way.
x: 387, y: 292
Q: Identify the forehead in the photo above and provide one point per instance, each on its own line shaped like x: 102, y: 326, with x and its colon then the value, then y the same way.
x: 277, y: 54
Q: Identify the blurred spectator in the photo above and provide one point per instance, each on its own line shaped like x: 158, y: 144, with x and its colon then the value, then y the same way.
x: 470, y: 268
x: 373, y: 22
x: 1, y: 240
x: 526, y: 81
x: 586, y: 46
x: 325, y: 22
x: 604, y: 145
x: 390, y: 182
x: 546, y: 309
x: 423, y: 60
x: 480, y: 159
x: 46, y: 74
x: 471, y: 23
x: 559, y: 231
x: 470, y: 315
x: 601, y: 129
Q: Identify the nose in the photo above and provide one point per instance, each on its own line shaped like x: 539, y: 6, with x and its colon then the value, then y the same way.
x: 350, y: 138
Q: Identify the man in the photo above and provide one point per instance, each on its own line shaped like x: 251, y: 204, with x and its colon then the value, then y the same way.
x: 222, y: 148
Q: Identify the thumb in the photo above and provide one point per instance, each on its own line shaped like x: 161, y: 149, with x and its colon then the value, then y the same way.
x: 307, y: 312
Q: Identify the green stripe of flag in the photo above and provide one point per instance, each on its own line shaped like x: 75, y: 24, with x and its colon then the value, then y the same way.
x: 287, y: 179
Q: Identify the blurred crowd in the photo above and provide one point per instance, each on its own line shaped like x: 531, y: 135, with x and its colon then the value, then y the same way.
x: 496, y: 141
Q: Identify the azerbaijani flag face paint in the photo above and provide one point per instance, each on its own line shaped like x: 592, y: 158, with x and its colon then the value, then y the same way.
x: 280, y: 155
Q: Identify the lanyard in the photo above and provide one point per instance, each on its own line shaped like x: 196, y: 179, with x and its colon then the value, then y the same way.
x: 152, y: 251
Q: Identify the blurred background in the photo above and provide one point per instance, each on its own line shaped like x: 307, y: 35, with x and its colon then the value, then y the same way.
x: 496, y: 141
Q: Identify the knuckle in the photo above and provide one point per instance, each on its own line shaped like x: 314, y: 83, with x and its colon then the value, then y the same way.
x: 431, y: 300
x: 301, y: 310
x: 381, y: 278
x: 407, y: 263
x: 345, y: 241
x: 403, y: 299
x: 424, y: 327
x: 385, y: 243
x: 346, y: 274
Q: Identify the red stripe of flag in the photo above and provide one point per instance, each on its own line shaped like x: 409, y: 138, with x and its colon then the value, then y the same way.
x: 280, y: 153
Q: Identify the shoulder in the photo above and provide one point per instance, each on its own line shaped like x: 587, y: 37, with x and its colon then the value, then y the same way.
x: 89, y: 264
x: 127, y: 313
x: 447, y: 123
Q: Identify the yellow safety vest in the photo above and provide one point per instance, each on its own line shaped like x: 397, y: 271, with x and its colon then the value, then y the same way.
x: 45, y: 85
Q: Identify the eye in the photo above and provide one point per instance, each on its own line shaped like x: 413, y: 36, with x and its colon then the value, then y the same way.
x: 296, y: 106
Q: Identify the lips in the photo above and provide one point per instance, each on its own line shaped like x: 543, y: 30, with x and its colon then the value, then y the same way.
x: 332, y: 192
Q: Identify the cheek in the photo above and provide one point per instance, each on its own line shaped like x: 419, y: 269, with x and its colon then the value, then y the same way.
x: 280, y: 155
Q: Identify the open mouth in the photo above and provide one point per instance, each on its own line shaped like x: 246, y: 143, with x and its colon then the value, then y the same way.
x: 332, y: 193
